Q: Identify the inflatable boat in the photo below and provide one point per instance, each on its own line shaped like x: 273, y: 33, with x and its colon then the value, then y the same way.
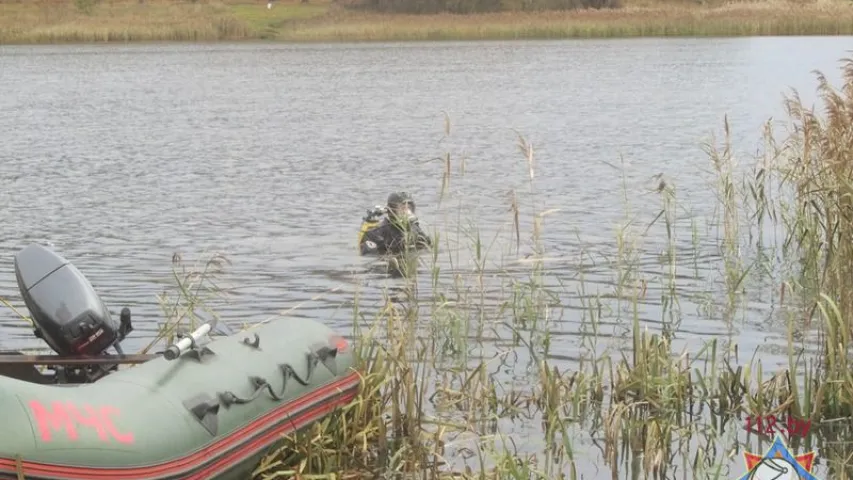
x: 194, y: 411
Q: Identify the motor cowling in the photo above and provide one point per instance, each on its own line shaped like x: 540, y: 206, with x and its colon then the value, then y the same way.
x: 67, y: 313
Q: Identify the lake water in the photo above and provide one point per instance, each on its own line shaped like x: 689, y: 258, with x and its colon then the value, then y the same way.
x: 120, y: 156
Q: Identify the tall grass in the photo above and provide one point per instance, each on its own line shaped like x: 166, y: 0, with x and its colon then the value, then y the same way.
x: 64, y: 22
x: 441, y: 396
x: 438, y: 401
x: 739, y: 19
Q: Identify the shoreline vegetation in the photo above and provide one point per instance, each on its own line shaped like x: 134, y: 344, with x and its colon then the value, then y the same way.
x: 85, y: 21
x: 466, y: 381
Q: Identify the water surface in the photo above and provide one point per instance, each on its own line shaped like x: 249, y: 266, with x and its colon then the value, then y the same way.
x: 120, y: 156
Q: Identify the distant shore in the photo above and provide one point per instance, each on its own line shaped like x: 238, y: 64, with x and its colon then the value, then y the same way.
x: 79, y: 21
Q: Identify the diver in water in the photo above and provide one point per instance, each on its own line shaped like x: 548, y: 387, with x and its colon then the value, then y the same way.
x: 398, y: 231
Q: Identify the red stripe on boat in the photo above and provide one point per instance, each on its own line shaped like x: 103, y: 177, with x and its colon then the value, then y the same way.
x: 318, y: 402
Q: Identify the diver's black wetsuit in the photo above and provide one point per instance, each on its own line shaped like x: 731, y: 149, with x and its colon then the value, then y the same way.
x: 388, y: 237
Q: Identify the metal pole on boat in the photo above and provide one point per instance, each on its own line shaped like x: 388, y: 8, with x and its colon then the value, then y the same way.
x: 177, y: 349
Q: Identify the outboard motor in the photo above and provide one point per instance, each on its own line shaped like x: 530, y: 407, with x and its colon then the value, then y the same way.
x: 67, y: 313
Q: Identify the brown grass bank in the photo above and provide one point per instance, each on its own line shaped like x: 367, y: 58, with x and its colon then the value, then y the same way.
x: 78, y: 21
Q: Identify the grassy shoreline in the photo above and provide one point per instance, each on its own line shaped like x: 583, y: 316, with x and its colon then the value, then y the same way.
x: 153, y: 21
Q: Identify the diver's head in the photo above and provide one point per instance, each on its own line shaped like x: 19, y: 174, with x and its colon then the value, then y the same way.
x: 401, y: 206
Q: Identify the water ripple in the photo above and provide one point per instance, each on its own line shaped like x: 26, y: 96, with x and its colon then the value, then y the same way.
x: 120, y: 156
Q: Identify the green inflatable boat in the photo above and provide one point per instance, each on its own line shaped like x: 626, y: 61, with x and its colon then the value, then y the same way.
x: 192, y: 412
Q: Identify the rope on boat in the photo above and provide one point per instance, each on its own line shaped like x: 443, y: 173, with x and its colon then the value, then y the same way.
x: 260, y: 384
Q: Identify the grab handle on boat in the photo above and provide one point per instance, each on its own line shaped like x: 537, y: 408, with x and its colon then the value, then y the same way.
x: 187, y: 342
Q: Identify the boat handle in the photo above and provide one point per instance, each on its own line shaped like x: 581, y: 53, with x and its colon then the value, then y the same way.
x: 260, y: 384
